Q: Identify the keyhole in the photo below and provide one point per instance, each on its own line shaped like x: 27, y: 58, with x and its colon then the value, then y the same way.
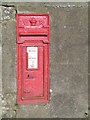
x: 28, y: 75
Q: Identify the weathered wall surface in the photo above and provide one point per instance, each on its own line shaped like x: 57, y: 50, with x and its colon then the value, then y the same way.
x: 8, y: 62
x: 0, y: 65
x: 68, y: 62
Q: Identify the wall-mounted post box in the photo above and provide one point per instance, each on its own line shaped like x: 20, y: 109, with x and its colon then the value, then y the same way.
x: 33, y: 43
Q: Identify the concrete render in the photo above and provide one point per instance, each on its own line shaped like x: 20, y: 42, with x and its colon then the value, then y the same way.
x: 68, y: 61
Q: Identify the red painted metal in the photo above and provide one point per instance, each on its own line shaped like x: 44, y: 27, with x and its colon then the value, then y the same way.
x: 33, y: 30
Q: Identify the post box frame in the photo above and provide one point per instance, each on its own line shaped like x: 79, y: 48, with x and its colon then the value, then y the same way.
x: 31, y: 41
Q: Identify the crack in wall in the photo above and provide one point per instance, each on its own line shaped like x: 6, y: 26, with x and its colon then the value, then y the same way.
x: 47, y: 4
x: 7, y: 13
x: 5, y: 5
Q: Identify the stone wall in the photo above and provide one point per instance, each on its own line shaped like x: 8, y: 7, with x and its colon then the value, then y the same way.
x: 68, y: 61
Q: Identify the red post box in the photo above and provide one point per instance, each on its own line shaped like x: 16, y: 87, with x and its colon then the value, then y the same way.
x: 33, y: 41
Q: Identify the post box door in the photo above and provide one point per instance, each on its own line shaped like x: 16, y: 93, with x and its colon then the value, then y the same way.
x: 32, y: 81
